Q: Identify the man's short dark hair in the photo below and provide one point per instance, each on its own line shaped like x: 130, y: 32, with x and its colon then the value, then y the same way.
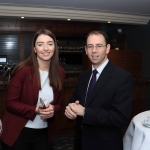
x: 102, y: 33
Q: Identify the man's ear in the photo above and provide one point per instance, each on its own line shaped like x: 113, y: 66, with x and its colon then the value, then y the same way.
x: 108, y: 48
x: 85, y: 50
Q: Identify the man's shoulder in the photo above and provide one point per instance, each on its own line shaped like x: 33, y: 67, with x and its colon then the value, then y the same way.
x: 120, y: 72
x: 111, y: 67
x: 86, y: 72
x: 85, y: 75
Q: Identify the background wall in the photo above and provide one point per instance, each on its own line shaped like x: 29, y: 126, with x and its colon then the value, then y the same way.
x: 138, y: 37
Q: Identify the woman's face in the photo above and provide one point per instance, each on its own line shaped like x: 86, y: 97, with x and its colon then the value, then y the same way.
x: 44, y: 47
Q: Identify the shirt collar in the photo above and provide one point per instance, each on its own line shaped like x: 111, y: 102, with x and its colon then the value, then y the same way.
x: 101, y: 67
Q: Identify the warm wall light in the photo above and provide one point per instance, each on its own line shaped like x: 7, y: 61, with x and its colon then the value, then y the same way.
x: 22, y: 17
x: 117, y: 48
x: 109, y: 22
x: 68, y: 19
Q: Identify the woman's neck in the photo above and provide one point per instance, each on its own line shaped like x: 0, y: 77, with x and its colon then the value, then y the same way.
x: 44, y: 66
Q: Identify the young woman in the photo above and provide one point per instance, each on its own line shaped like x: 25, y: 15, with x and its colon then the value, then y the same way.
x: 35, y: 82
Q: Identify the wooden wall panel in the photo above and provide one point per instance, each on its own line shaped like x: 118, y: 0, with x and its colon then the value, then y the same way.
x: 64, y: 126
x: 59, y: 28
x: 139, y: 96
x: 128, y: 60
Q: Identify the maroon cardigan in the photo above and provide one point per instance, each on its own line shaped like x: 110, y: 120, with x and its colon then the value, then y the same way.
x: 21, y: 100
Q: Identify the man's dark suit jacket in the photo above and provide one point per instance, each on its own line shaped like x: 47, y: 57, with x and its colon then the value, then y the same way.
x: 107, y: 109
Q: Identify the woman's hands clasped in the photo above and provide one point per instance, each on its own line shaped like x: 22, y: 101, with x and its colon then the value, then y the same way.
x: 47, y: 112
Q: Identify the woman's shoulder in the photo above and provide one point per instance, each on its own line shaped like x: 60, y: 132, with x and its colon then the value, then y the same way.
x: 26, y: 69
x: 61, y: 69
x: 62, y: 72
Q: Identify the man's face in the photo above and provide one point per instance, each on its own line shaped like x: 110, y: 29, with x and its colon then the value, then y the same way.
x: 97, y: 49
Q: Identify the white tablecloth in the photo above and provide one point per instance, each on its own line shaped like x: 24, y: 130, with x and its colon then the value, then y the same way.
x: 137, y: 136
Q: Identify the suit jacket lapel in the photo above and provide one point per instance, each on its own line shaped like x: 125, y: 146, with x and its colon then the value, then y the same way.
x: 85, y: 85
x: 104, y: 76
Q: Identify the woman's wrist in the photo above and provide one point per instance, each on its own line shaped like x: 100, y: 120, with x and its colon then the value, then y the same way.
x: 53, y: 106
x: 37, y: 110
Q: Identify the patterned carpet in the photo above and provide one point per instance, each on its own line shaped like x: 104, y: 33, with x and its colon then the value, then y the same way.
x: 62, y: 142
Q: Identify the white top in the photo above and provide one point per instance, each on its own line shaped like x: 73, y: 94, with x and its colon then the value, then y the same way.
x: 137, y: 136
x: 46, y: 93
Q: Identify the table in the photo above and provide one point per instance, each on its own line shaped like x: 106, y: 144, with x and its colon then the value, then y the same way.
x: 137, y: 136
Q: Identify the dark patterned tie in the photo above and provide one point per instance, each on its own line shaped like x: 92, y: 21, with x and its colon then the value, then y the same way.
x: 92, y: 82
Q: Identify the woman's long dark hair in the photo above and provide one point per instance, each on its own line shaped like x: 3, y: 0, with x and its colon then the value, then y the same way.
x: 54, y: 71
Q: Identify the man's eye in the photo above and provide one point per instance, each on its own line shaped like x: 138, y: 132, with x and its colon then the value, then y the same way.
x: 90, y: 46
x: 99, y: 46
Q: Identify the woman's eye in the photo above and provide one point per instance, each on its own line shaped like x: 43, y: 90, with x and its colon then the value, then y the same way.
x: 50, y: 44
x: 39, y: 44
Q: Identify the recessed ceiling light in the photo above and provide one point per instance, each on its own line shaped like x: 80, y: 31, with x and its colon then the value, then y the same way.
x: 109, y: 22
x: 68, y: 19
x: 22, y: 17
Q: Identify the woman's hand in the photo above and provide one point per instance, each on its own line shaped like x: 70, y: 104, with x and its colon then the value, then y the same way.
x: 48, y: 112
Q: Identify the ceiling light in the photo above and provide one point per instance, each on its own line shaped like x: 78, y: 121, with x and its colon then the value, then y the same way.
x: 22, y: 17
x: 109, y: 22
x: 68, y: 19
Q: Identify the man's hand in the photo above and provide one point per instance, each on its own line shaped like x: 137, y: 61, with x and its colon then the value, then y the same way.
x: 74, y: 109
x: 79, y: 109
x: 70, y: 111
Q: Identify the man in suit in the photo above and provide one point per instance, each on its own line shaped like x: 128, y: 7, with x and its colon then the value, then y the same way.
x: 100, y: 114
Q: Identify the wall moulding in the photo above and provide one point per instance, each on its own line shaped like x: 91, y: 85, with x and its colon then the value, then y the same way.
x: 76, y: 15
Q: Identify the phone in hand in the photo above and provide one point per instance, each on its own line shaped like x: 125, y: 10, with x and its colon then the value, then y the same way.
x: 42, y: 102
